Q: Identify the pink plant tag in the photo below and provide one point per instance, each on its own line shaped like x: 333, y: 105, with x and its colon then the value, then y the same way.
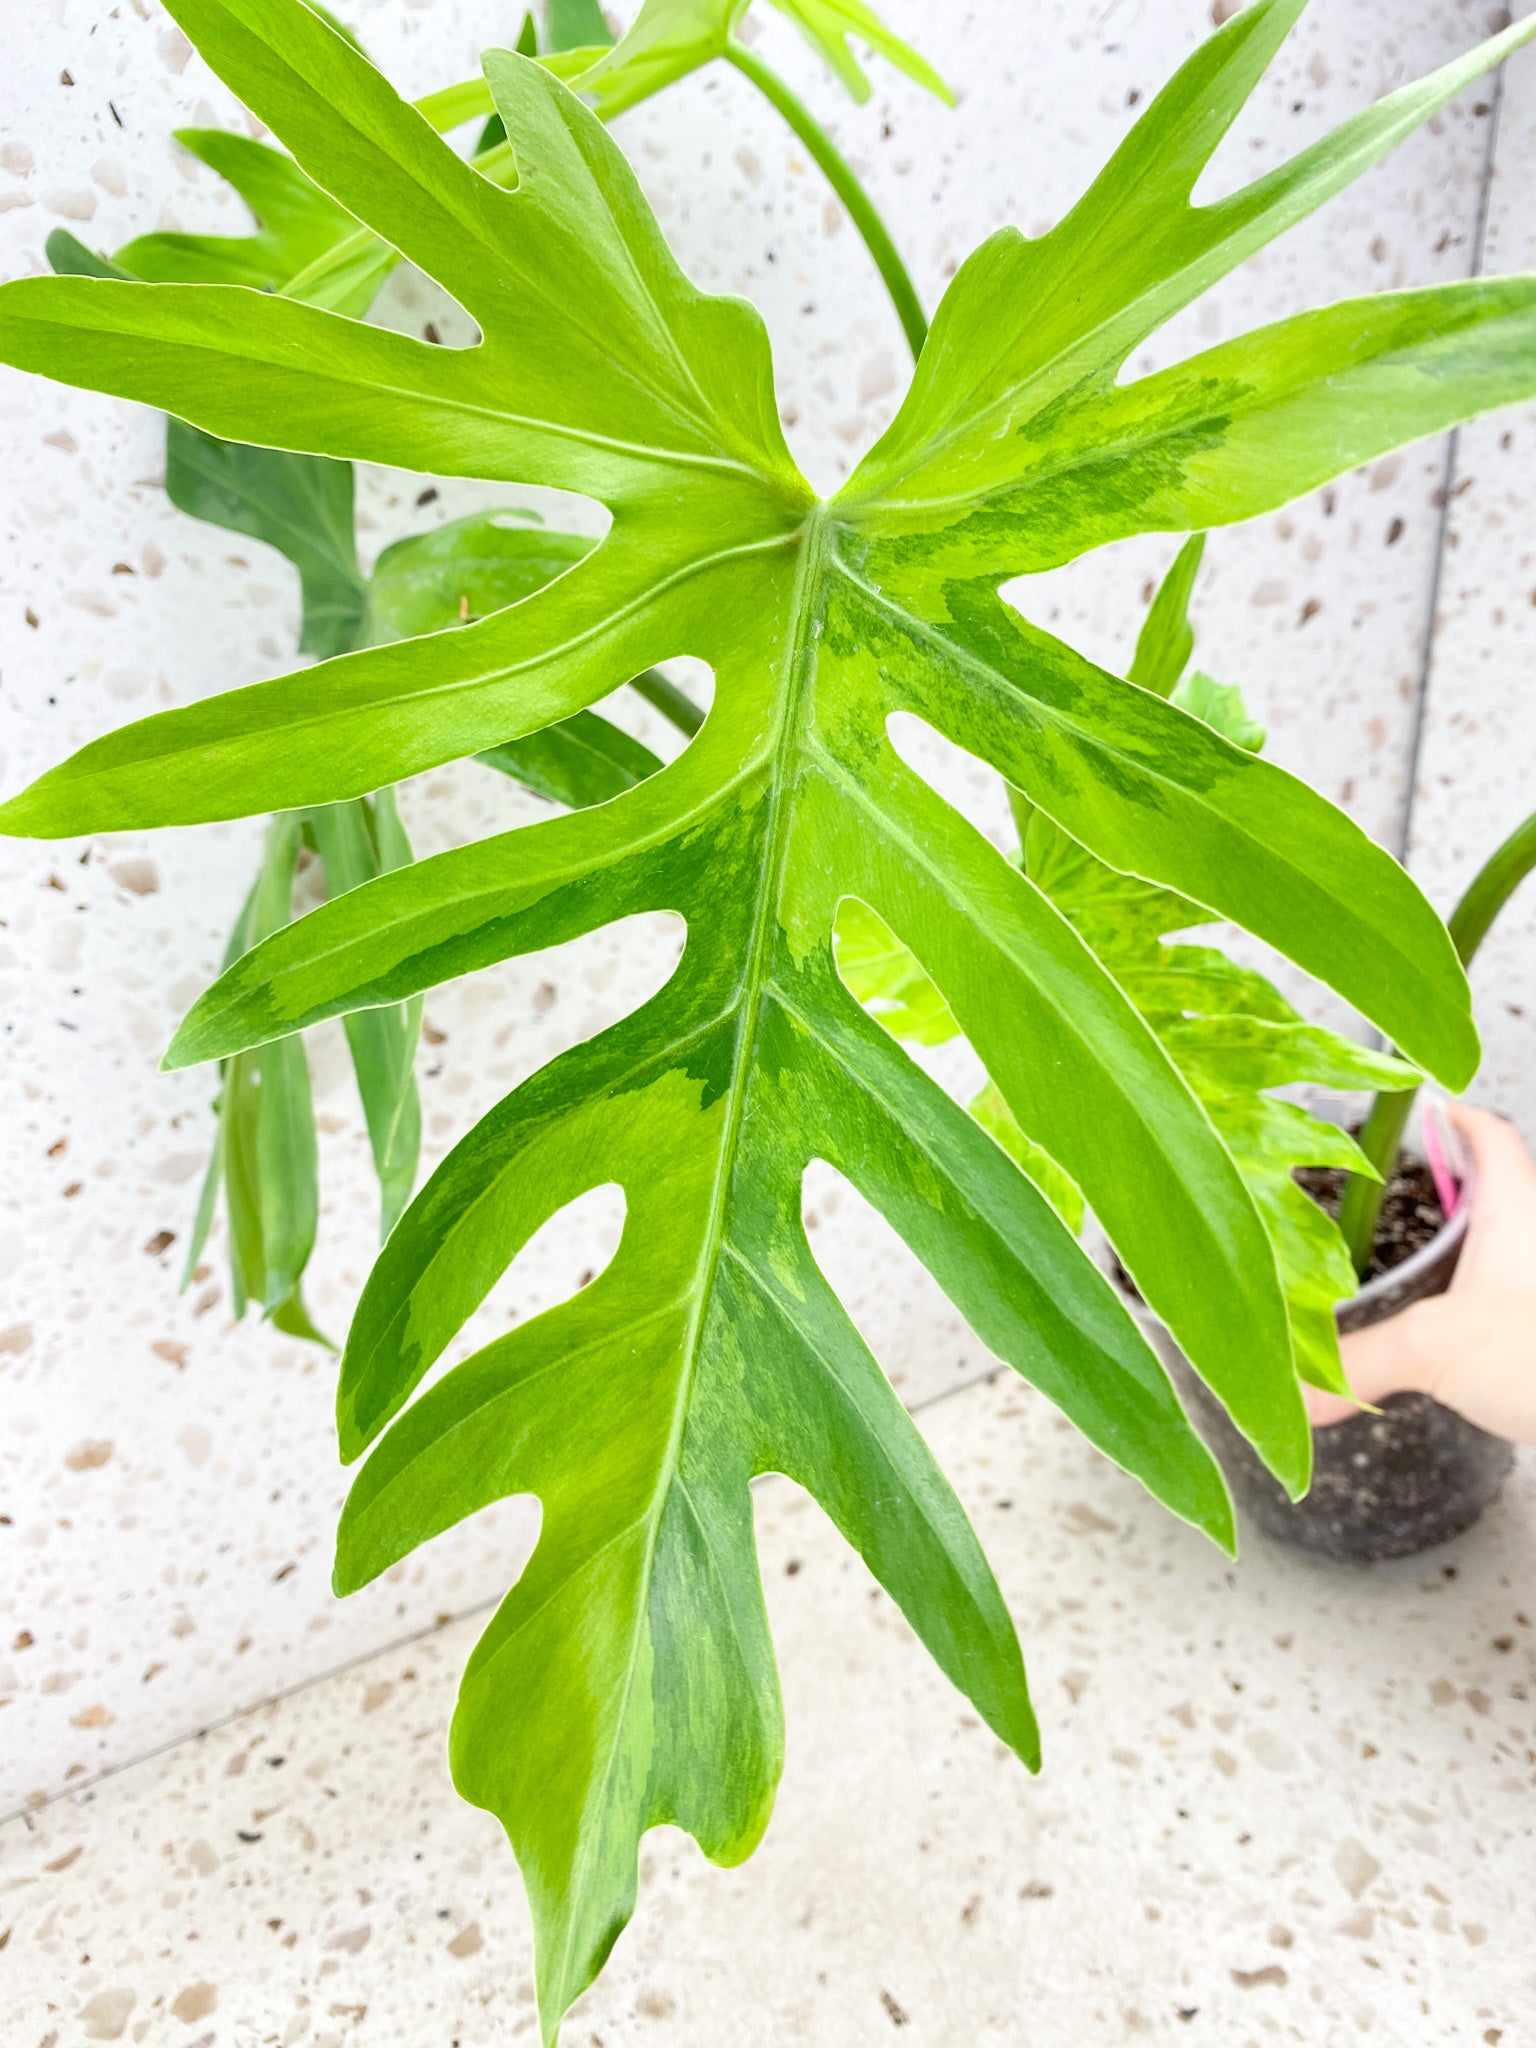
x: 1440, y: 1149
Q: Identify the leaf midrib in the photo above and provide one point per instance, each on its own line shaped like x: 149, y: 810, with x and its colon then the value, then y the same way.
x: 419, y: 396
x: 754, y: 989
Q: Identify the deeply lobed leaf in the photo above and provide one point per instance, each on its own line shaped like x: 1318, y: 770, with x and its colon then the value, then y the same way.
x: 632, y: 1657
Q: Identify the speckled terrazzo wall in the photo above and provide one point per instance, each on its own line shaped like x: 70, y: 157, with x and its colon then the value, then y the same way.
x: 167, y: 1478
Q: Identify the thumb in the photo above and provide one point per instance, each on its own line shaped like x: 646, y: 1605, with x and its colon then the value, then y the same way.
x: 1505, y: 1169
x: 1501, y: 1243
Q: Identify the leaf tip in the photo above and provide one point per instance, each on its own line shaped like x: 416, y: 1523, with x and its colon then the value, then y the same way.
x: 351, y: 1441
x: 1292, y: 1464
x: 182, y: 1050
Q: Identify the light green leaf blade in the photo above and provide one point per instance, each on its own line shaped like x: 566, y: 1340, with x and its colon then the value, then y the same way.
x: 1210, y: 822
x: 705, y: 1353
x: 1258, y: 421
x: 669, y: 1707
x: 1233, y: 1036
x: 887, y: 980
x: 1059, y: 1189
x: 1027, y: 321
x: 667, y: 40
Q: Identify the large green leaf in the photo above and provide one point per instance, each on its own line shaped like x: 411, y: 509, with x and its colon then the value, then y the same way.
x: 631, y: 1659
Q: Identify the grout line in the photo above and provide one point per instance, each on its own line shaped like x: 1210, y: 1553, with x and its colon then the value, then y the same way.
x: 302, y: 1685
x: 82, y: 1786
x: 1450, y: 467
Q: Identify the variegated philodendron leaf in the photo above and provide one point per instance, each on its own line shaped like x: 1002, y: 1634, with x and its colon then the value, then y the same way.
x: 628, y: 1677
x: 1229, y: 1031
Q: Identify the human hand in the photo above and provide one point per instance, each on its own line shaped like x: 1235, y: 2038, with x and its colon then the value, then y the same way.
x: 1474, y: 1348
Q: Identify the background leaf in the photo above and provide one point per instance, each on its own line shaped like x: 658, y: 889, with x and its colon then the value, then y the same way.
x: 827, y: 25
x: 299, y: 504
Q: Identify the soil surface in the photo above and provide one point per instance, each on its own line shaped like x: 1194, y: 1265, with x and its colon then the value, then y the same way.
x: 1410, y: 1214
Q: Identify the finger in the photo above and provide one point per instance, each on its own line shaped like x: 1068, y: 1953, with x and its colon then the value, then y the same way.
x: 1377, y: 1362
x: 1506, y: 1173
x: 1501, y: 1245
x: 1477, y: 1353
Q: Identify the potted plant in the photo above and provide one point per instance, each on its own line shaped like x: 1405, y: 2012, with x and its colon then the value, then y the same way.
x: 628, y: 1677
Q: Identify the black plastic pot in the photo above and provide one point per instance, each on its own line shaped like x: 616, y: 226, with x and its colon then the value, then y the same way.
x: 1384, y: 1485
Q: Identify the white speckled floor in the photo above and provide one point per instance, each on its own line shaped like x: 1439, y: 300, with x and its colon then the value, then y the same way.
x: 1282, y: 1803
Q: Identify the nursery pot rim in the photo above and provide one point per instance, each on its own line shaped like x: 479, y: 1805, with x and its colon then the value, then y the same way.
x: 1377, y: 1299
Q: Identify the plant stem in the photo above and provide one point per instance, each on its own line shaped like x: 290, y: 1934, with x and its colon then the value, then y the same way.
x: 840, y: 177
x: 1381, y: 1136
x: 668, y: 699
x: 1491, y: 888
x: 1382, y: 1132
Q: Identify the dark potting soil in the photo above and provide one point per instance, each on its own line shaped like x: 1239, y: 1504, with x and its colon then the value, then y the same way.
x: 1410, y: 1213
